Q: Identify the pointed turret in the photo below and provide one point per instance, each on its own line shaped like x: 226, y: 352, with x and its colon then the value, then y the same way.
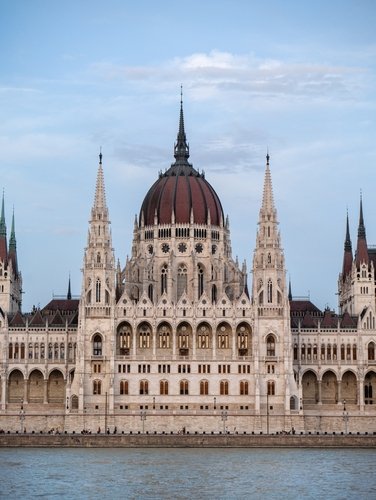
x: 290, y: 292
x: 3, y: 235
x: 267, y: 211
x: 12, y: 254
x: 69, y: 294
x: 100, y: 205
x: 181, y: 149
x: 361, y: 248
x: 348, y: 255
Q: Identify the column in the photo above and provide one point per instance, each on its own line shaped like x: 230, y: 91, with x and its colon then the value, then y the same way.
x: 45, y: 398
x: 339, y: 392
x: 25, y: 396
x: 319, y: 382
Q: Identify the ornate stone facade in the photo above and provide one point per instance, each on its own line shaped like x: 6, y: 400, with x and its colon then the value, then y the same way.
x: 174, y: 337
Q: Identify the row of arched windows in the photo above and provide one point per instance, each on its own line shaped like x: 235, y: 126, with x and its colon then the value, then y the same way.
x: 37, y: 351
x: 183, y: 387
x: 331, y: 352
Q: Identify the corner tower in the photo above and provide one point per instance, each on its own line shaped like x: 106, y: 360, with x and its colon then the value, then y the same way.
x: 272, y: 311
x: 95, y: 342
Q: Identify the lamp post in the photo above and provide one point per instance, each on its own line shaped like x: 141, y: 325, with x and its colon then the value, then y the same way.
x: 267, y: 413
x: 345, y: 415
x: 143, y: 418
x: 22, y: 417
x: 224, y: 418
x: 215, y: 403
x: 153, y: 402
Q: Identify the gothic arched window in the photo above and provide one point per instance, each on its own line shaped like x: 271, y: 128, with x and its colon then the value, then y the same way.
x: 97, y: 345
x: 270, y: 291
x: 200, y: 277
x: 182, y: 280
x: 98, y: 290
x: 204, y: 388
x: 270, y: 345
x: 164, y: 273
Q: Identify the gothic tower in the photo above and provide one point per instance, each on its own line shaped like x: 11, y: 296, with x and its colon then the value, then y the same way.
x: 10, y: 277
x: 98, y: 297
x: 272, y: 311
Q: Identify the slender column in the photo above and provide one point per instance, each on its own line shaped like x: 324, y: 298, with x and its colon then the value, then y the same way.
x: 360, y: 393
x: 319, y: 394
x: 25, y: 396
x: 45, y: 398
x: 339, y: 392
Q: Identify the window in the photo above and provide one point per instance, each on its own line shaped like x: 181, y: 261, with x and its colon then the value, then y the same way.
x: 124, y: 338
x: 182, y: 280
x: 204, y: 388
x: 163, y: 387
x: 184, y: 368
x: 243, y: 388
x: 271, y: 388
x: 200, y: 277
x: 224, y: 368
x: 150, y: 292
x: 223, y: 338
x: 223, y: 388
x: 164, y: 274
x: 270, y: 345
x: 183, y: 337
x: 270, y: 291
x: 164, y: 368
x: 203, y: 368
x: 144, y: 336
x: 97, y: 387
x: 203, y: 337
x: 371, y: 351
x: 123, y: 387
x: 98, y: 290
x: 164, y: 337
x: 144, y: 387
x: 184, y: 387
x: 97, y: 345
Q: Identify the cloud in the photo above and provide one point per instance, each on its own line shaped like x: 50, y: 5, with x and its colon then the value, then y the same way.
x: 215, y: 72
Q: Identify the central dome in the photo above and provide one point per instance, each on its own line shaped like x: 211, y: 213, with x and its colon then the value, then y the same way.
x: 181, y: 192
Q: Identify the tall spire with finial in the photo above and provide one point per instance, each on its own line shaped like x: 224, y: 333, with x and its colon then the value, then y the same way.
x: 267, y: 211
x: 347, y: 256
x: 69, y: 294
x: 3, y: 234
x: 12, y: 255
x: 181, y: 149
x: 100, y: 195
x: 361, y: 249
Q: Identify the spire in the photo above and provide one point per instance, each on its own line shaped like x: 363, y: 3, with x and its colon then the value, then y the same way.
x: 267, y: 207
x: 69, y: 294
x: 100, y: 195
x: 347, y: 256
x: 181, y: 149
x: 3, y: 227
x: 361, y: 248
x: 290, y: 292
x: 3, y: 235
x: 12, y: 255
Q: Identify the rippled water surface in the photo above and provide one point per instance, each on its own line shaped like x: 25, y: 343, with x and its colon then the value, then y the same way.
x: 187, y: 473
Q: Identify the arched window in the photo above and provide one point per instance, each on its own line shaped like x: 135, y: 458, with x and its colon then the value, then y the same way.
x: 164, y: 337
x: 371, y: 351
x: 270, y: 291
x: 242, y: 332
x: 150, y: 292
x: 124, y: 339
x: 271, y: 388
x: 182, y: 280
x: 144, y: 387
x: 98, y: 258
x: 184, y: 388
x: 97, y: 387
x: 204, y: 388
x: 270, y: 345
x: 200, y: 278
x: 163, y: 388
x: 97, y: 345
x: 164, y: 274
x: 124, y: 387
x: 144, y: 336
x: 223, y: 388
x: 183, y: 336
x: 203, y: 341
x: 214, y: 294
x: 98, y: 290
x: 243, y: 388
x: 223, y: 337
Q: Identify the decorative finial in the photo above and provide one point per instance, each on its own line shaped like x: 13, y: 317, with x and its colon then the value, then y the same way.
x: 181, y: 94
x: 267, y: 156
x: 100, y: 155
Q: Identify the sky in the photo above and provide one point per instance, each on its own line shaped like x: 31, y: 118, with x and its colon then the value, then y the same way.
x: 295, y: 78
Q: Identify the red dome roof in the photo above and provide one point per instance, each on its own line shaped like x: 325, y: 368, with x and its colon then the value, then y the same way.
x: 181, y: 190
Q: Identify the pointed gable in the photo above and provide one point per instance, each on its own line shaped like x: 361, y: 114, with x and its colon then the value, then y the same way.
x: 57, y: 320
x: 37, y: 319
x: 309, y: 321
x: 348, y: 321
x: 330, y: 319
x: 17, y: 320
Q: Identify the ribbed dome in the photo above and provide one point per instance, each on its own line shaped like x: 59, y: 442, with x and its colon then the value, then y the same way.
x: 181, y: 190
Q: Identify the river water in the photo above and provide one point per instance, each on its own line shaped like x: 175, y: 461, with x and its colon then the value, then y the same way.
x: 187, y: 473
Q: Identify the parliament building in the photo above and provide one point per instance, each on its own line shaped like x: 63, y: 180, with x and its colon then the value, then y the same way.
x: 176, y: 339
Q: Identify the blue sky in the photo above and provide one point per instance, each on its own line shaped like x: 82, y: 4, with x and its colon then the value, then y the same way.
x: 293, y: 77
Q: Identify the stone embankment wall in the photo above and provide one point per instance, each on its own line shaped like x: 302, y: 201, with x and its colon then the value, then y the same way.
x: 186, y: 441
x: 152, y: 422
